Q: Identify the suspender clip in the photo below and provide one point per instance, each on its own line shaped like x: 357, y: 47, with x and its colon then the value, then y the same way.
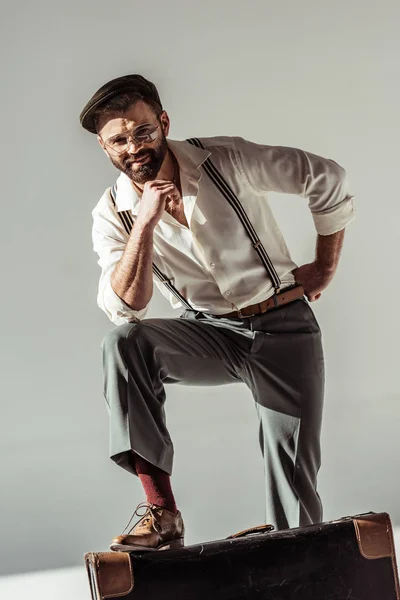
x: 274, y: 297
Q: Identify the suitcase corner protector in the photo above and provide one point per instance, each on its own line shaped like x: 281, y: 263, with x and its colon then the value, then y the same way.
x: 112, y: 572
x: 374, y: 535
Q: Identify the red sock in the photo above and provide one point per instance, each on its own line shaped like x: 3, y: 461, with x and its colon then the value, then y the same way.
x: 156, y: 484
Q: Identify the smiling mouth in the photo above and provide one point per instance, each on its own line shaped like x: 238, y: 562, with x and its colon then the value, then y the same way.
x: 140, y: 160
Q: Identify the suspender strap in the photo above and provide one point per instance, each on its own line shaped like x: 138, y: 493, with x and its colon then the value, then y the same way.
x: 127, y: 222
x: 216, y: 177
x: 233, y: 200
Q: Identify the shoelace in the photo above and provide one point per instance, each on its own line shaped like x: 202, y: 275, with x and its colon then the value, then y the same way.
x: 150, y: 511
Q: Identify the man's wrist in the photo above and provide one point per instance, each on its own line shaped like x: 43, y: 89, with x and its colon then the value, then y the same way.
x: 325, y: 267
x: 144, y: 226
x: 328, y: 252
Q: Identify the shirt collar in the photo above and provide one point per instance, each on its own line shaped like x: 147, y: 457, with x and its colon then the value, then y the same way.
x: 189, y: 158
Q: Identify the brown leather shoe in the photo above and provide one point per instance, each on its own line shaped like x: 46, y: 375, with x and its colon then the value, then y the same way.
x: 157, y: 529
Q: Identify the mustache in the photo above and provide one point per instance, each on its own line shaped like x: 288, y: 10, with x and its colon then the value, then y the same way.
x: 138, y: 157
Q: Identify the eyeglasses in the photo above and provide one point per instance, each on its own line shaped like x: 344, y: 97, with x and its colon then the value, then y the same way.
x: 144, y: 134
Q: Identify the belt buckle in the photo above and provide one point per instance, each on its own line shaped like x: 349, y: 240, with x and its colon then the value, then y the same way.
x: 242, y: 316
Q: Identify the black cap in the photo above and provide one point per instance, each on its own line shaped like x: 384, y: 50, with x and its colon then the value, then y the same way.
x: 126, y: 83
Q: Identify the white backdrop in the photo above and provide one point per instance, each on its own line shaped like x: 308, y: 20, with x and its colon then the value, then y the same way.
x: 315, y: 75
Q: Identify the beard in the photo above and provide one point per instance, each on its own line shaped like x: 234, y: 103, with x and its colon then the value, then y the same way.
x: 148, y: 171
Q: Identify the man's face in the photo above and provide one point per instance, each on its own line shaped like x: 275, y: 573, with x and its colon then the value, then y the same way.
x: 155, y: 152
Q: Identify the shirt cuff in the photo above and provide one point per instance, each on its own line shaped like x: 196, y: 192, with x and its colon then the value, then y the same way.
x: 336, y: 219
x: 117, y: 310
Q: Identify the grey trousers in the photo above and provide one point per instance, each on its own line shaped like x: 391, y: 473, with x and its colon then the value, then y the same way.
x: 278, y: 355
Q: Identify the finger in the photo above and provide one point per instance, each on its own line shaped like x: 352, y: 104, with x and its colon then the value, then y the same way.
x: 164, y: 188
x: 168, y: 186
x: 162, y: 182
x: 169, y: 193
x: 314, y: 297
x: 172, y: 193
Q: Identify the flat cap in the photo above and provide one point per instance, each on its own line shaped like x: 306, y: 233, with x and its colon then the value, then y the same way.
x: 126, y: 83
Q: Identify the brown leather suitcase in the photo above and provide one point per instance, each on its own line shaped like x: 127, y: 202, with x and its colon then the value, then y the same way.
x: 352, y: 558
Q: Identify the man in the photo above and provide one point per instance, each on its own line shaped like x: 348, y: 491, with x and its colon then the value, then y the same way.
x: 203, y: 228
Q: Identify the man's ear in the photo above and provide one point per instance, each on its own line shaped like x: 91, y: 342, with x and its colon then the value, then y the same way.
x: 101, y: 144
x: 164, y: 119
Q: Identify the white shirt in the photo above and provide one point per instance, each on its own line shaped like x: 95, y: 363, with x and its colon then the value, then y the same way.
x: 213, y: 264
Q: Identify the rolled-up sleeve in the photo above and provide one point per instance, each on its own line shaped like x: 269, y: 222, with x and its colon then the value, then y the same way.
x: 293, y: 171
x: 109, y: 241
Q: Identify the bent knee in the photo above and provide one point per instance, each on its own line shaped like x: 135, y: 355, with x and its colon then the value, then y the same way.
x: 114, y: 338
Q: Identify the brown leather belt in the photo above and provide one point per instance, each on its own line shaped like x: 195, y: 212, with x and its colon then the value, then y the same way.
x: 287, y: 295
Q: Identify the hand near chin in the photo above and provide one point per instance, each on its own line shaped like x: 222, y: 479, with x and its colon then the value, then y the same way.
x: 156, y: 196
x: 314, y: 278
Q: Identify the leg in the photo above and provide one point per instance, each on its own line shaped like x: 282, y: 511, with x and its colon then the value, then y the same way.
x: 139, y: 358
x: 286, y: 375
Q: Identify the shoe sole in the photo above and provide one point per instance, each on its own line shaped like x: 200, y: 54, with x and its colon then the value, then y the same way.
x: 167, y: 546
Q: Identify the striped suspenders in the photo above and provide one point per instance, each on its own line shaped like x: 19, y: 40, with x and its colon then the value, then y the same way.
x: 221, y: 184
x: 233, y: 200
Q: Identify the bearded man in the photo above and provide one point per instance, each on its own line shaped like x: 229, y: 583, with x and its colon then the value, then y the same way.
x: 193, y: 217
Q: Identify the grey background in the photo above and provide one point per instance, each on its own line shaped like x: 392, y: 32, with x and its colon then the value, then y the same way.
x: 316, y: 75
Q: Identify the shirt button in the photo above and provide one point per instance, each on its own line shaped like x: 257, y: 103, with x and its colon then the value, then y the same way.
x: 212, y: 265
x: 228, y: 293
